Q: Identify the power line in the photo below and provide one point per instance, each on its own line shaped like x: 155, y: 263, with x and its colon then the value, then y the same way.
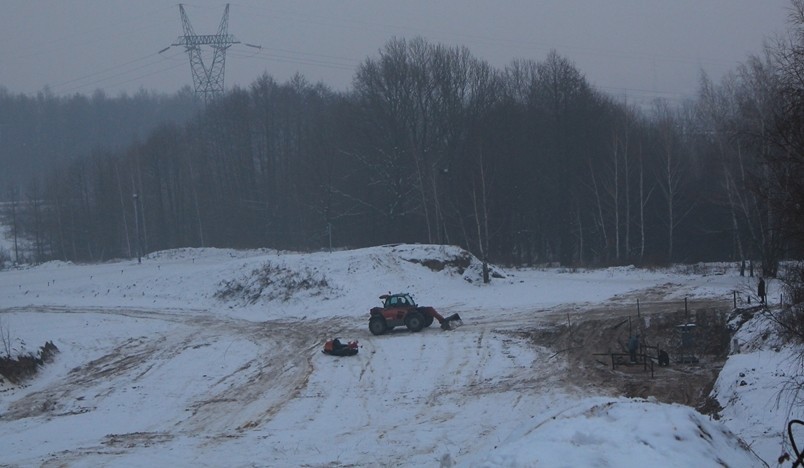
x: 126, y: 81
x: 68, y: 41
x: 133, y: 25
x: 105, y: 70
x: 349, y: 24
x: 290, y: 58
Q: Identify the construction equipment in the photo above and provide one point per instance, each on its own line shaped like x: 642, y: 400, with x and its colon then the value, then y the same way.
x: 334, y: 347
x: 400, y: 309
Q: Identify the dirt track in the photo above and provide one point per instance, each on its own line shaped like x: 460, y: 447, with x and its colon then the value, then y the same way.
x: 263, y: 379
x: 234, y: 389
x: 580, y: 339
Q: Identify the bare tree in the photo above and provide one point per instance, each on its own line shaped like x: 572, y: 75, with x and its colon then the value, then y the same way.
x: 5, y: 338
x: 481, y: 211
x: 644, y: 199
x: 671, y: 170
x: 786, y: 166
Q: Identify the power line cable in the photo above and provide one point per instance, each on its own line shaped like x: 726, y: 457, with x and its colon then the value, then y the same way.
x: 130, y: 80
x: 296, y: 60
x: 349, y: 23
x: 105, y: 70
x: 67, y: 41
x: 124, y: 73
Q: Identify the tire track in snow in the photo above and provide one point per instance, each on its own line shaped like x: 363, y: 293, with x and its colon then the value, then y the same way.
x: 268, y: 379
x: 261, y: 385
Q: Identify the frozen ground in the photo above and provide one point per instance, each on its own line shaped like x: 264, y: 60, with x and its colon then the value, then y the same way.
x: 154, y: 370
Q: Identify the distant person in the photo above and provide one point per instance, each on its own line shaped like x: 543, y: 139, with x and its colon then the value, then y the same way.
x: 664, y: 358
x: 761, y: 290
x: 633, y: 346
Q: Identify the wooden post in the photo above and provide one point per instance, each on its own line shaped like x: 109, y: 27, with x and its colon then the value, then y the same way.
x: 686, y: 311
x: 135, y: 197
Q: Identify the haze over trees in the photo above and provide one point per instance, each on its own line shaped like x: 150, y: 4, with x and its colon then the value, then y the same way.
x: 522, y: 165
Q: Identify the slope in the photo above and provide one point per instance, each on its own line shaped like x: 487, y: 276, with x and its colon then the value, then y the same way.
x: 155, y: 370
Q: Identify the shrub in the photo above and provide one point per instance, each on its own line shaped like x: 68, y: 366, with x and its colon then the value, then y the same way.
x: 24, y: 366
x: 792, y: 278
x: 5, y: 258
x: 271, y: 282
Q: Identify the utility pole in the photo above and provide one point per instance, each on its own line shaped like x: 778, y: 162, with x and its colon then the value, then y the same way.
x: 136, y: 197
x: 14, y: 222
x: 208, y: 81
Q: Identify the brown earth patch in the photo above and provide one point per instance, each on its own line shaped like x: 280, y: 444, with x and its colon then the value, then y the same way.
x: 593, y: 344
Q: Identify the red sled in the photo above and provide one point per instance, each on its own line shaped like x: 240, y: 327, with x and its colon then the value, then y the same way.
x: 334, y: 347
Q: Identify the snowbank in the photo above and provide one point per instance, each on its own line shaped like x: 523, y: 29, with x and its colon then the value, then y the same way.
x: 621, y: 432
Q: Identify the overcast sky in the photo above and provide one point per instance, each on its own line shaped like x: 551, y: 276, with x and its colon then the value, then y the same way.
x: 639, y: 48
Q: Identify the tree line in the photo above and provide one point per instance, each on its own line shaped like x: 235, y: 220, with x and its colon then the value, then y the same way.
x: 524, y: 165
x: 42, y: 132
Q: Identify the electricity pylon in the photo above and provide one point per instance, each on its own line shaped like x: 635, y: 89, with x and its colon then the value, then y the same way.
x: 208, y: 81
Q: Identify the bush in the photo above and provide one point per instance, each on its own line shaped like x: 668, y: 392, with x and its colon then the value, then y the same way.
x: 790, y: 317
x: 24, y: 366
x: 271, y: 282
x: 792, y: 278
x: 790, y: 322
x: 5, y: 258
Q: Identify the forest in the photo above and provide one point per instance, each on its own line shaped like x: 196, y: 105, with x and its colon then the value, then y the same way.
x: 524, y: 165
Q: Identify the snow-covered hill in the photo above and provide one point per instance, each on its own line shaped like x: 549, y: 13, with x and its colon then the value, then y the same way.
x: 208, y: 357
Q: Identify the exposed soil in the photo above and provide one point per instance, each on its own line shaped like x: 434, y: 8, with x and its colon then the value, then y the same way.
x: 594, y: 345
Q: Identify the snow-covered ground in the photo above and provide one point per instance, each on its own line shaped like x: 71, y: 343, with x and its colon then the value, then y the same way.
x: 156, y: 369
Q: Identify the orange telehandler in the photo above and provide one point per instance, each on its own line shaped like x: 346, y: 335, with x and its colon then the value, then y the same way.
x: 400, y: 309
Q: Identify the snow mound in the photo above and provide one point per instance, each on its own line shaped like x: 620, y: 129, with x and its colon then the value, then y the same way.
x: 447, y: 258
x: 186, y: 253
x: 757, y: 388
x: 291, y: 277
x: 620, y: 432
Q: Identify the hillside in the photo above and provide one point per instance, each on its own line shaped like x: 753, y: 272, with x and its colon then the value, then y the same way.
x: 212, y: 357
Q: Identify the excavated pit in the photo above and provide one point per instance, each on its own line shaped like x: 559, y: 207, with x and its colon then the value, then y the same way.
x: 594, y: 346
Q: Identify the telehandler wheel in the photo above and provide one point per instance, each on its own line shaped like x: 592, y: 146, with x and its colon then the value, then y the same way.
x: 377, y: 325
x: 414, y: 321
x: 428, y: 320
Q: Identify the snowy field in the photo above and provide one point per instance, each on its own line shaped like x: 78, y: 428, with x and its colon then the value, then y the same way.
x: 156, y: 369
